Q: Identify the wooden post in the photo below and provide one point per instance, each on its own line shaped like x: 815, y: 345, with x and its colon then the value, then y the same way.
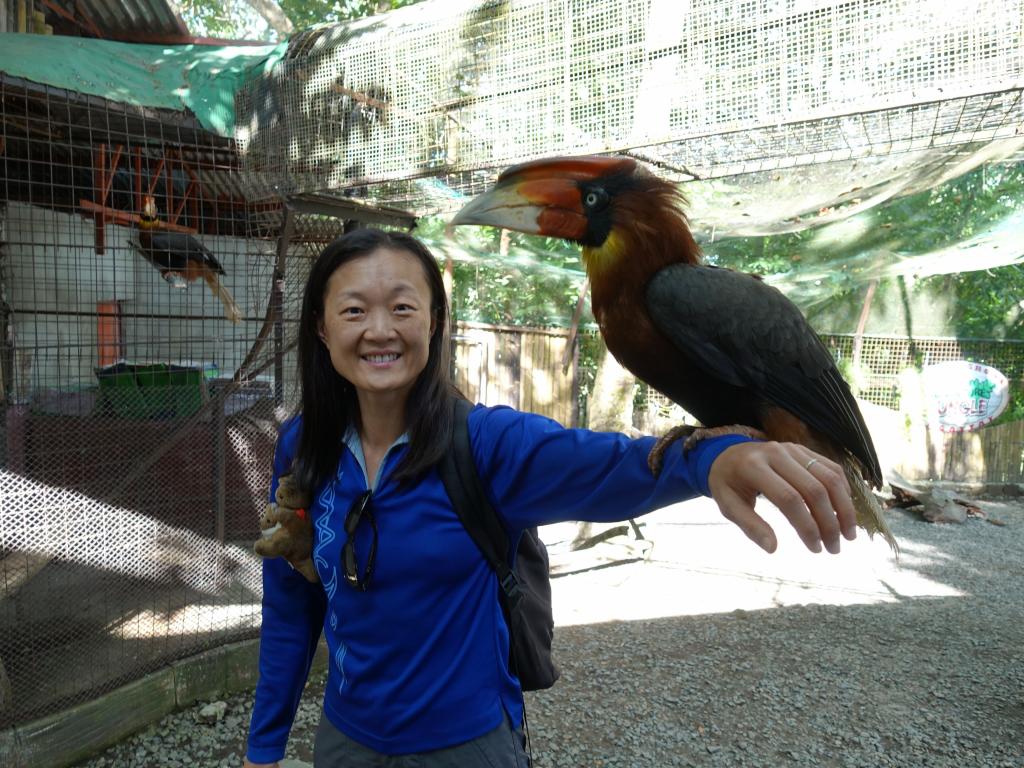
x: 108, y: 176
x: 515, y: 364
x: 219, y: 466
x: 99, y: 184
x: 138, y: 180
x: 108, y: 332
x: 277, y: 301
x: 193, y: 204
x: 574, y: 327
x: 862, y: 321
x: 15, y: 417
x: 169, y: 185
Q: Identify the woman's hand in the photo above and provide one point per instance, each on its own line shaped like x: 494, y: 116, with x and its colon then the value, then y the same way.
x: 815, y: 499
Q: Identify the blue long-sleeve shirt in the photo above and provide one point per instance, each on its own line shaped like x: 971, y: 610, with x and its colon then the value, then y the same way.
x: 419, y: 660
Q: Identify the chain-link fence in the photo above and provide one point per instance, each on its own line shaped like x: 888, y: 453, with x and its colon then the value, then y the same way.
x: 873, y: 365
x: 138, y: 418
x: 875, y: 372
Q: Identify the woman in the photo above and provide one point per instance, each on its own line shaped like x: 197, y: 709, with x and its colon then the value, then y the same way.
x: 418, y: 645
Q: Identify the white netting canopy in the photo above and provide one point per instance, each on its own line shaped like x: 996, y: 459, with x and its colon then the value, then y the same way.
x: 779, y: 116
x: 448, y: 92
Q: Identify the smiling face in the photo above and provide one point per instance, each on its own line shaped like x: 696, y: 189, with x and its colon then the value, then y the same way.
x: 377, y: 323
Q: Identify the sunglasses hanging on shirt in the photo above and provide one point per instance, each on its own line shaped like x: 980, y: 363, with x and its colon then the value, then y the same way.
x: 361, y: 508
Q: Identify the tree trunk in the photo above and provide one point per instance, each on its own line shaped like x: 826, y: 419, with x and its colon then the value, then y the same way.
x: 273, y: 15
x: 609, y: 409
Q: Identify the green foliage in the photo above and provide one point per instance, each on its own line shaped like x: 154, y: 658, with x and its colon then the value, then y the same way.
x: 236, y: 19
x: 1014, y: 409
x: 591, y: 350
x: 308, y: 13
x: 857, y: 376
x: 536, y: 283
x: 770, y: 255
x: 232, y: 19
x: 826, y: 270
x: 988, y: 302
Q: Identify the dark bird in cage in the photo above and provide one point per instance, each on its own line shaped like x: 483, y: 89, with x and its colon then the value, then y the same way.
x: 731, y: 350
x: 182, y: 259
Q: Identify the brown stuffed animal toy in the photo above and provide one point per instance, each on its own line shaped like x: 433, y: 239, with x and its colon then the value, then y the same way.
x: 287, y: 529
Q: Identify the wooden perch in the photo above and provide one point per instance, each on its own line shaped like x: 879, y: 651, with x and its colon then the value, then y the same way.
x: 126, y: 219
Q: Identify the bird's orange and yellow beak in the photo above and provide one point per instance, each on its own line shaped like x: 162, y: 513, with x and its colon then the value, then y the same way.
x: 149, y: 206
x: 542, y: 197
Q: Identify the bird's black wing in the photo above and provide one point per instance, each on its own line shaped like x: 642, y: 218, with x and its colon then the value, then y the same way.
x: 748, y: 334
x: 173, y: 250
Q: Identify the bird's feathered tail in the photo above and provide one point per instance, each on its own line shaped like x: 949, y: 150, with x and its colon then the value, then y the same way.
x: 231, y: 310
x: 869, y: 511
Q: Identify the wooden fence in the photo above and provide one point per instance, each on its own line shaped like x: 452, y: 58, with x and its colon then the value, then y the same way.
x: 990, y: 455
x: 920, y: 452
x: 520, y: 367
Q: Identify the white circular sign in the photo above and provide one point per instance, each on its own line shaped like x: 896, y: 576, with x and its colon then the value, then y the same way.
x: 965, y: 396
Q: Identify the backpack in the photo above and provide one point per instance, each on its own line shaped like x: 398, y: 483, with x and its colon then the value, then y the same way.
x: 525, y: 587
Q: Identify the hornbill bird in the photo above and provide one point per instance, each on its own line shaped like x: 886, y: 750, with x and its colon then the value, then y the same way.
x: 732, y: 351
x: 179, y: 255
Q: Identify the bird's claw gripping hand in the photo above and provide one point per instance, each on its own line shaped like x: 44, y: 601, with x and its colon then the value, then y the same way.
x: 694, y: 435
x: 287, y: 529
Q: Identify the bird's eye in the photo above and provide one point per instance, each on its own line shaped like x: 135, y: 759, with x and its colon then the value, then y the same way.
x: 595, y: 198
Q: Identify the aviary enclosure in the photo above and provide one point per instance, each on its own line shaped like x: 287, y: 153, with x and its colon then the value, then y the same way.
x: 139, y: 418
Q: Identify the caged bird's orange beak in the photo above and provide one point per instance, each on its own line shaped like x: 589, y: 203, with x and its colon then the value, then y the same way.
x: 543, y: 197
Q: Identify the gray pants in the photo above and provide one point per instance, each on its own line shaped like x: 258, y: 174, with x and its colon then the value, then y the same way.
x: 504, y: 747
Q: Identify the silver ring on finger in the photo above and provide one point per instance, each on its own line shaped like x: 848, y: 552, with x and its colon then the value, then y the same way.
x: 809, y: 463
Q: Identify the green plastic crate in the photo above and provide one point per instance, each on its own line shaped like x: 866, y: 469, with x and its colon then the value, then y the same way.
x: 152, y: 390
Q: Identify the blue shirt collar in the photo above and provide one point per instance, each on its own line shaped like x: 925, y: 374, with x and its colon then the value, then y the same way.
x: 355, y: 445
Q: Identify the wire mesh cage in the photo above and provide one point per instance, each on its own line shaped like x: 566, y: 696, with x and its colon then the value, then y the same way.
x: 151, y: 276
x: 883, y: 359
x: 149, y: 299
x: 874, y: 364
x: 702, y: 89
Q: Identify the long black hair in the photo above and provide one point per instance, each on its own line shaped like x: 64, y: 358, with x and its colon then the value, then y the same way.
x: 329, y: 405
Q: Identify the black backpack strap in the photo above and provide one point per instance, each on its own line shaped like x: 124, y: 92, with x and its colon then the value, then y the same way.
x: 462, y: 482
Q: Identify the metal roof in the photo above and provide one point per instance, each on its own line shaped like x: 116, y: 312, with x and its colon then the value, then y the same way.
x: 130, y: 21
x: 126, y: 19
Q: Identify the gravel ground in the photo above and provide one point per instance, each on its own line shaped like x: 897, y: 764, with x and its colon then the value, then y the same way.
x: 712, y: 653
